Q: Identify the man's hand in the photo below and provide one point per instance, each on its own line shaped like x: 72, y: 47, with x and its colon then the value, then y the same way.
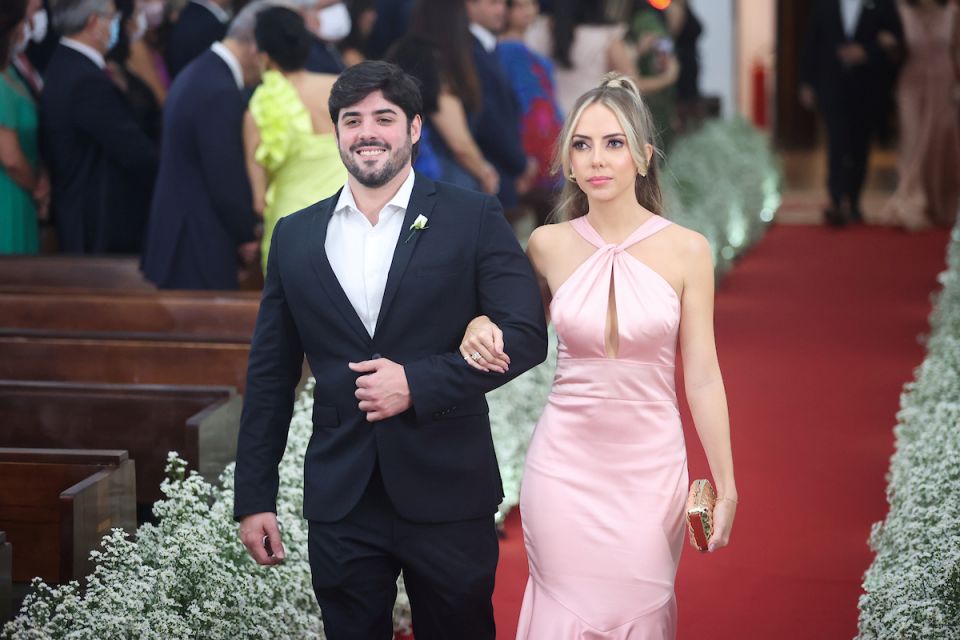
x: 852, y: 54
x: 261, y: 536
x: 807, y: 97
x: 248, y: 252
x: 383, y: 392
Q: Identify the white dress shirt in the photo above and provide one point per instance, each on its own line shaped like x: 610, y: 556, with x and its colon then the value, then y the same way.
x: 361, y: 253
x: 850, y: 11
x: 221, y: 50
x: 487, y: 40
x: 95, y: 56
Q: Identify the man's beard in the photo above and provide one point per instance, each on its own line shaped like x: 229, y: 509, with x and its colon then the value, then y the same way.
x: 377, y: 177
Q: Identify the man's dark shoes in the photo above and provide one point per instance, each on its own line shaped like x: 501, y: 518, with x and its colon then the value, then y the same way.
x: 834, y: 218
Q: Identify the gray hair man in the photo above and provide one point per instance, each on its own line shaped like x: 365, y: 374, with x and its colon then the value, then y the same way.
x: 101, y: 163
x: 202, y: 221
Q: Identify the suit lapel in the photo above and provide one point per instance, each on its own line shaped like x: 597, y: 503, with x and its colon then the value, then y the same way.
x: 328, y: 279
x: 422, y: 201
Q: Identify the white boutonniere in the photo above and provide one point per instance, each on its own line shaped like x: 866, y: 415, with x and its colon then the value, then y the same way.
x: 418, y: 225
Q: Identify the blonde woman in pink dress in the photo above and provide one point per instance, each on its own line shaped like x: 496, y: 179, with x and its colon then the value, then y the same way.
x: 928, y: 95
x: 605, y: 482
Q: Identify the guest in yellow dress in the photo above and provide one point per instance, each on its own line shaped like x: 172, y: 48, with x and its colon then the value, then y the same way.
x: 289, y: 138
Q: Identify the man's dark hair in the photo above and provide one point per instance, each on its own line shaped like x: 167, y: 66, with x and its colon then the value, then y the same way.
x: 281, y: 34
x: 360, y: 80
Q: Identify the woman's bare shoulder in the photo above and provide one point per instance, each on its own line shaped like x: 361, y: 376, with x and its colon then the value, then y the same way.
x: 686, y: 241
x: 549, y: 238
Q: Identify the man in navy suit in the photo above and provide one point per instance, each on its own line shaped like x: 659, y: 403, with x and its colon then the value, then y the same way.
x: 846, y: 63
x: 199, y: 25
x: 99, y: 159
x: 497, y: 128
x: 376, y: 285
x: 202, y: 219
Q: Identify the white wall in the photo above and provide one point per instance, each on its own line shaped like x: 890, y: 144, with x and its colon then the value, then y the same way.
x: 756, y: 37
x: 717, y: 55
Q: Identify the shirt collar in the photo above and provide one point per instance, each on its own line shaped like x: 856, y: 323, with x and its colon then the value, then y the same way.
x: 215, y: 9
x: 399, y: 201
x: 221, y: 50
x: 487, y: 40
x: 95, y: 56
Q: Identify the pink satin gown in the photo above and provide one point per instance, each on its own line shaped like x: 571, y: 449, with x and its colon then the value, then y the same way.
x: 606, y: 473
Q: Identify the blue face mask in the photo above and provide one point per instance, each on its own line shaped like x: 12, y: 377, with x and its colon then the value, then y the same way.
x: 114, y: 32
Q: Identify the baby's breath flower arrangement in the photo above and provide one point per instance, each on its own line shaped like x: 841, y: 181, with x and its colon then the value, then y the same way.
x: 912, y: 588
x: 189, y: 576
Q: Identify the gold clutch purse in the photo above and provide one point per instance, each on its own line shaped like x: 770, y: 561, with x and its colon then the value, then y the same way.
x: 700, y: 502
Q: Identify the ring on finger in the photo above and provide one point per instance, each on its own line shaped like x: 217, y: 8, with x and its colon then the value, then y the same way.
x: 476, y: 357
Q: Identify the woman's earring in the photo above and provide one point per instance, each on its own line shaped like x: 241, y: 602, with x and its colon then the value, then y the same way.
x: 571, y: 177
x: 643, y: 172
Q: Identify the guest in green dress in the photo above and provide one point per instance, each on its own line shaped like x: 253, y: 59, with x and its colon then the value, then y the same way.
x: 24, y: 190
x: 290, y: 141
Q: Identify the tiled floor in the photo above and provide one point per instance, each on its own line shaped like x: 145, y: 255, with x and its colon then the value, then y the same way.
x: 805, y: 195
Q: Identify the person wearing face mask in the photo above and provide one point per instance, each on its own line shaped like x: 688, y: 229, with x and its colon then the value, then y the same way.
x: 100, y: 160
x: 143, y: 60
x: 43, y: 37
x: 24, y: 189
x: 202, y: 220
x: 34, y: 30
x: 328, y: 23
x: 199, y: 25
x: 140, y: 94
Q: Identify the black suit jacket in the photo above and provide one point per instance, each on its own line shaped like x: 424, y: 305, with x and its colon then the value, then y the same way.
x: 323, y: 57
x: 437, y: 459
x: 497, y: 127
x: 821, y: 68
x: 202, y: 207
x: 195, y: 30
x: 100, y: 161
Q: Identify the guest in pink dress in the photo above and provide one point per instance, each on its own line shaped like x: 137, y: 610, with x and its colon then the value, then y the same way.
x: 605, y: 481
x: 928, y: 95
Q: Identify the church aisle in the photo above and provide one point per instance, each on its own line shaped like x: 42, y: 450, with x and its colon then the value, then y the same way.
x: 817, y: 333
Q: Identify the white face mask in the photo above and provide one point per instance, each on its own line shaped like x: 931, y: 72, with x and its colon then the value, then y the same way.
x: 153, y: 13
x: 334, y: 22
x: 141, y: 27
x: 38, y: 31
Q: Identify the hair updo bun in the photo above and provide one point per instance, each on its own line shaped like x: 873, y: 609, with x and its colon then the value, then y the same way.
x: 616, y: 80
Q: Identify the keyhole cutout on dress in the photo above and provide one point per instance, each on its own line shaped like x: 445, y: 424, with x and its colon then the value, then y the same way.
x: 611, y: 337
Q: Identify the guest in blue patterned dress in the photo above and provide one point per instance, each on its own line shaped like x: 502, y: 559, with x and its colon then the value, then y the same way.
x: 531, y: 75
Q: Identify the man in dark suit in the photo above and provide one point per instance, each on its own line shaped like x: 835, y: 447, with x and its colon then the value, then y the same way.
x: 326, y: 26
x: 199, y: 25
x: 99, y: 159
x: 497, y: 128
x: 376, y: 285
x: 846, y: 64
x: 202, y: 219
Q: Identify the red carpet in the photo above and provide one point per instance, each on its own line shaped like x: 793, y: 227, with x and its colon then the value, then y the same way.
x: 817, y: 333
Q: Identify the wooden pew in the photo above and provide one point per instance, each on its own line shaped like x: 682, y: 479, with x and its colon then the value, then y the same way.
x: 199, y: 422
x: 184, y: 316
x: 56, y: 505
x: 42, y: 356
x: 6, y: 578
x: 92, y: 272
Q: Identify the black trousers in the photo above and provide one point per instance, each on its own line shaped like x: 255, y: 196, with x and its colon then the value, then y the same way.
x: 850, y: 127
x: 448, y: 569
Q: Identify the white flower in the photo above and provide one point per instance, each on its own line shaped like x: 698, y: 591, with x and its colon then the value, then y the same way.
x: 419, y: 224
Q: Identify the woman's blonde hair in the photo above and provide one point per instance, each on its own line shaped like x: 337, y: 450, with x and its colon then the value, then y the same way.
x: 620, y: 94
